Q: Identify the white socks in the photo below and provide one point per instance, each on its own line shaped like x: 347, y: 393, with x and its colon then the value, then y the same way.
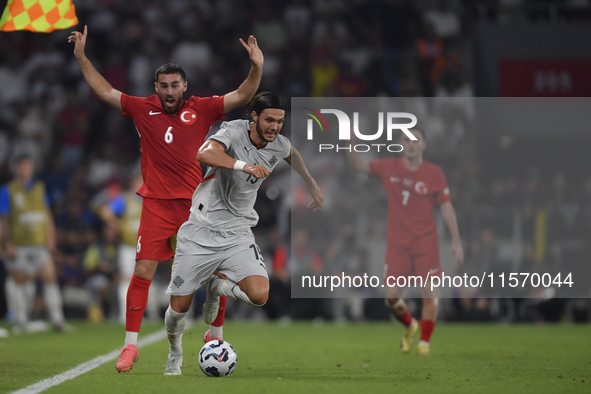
x: 31, y: 292
x: 224, y: 287
x: 131, y: 338
x: 20, y: 303
x: 216, y: 332
x: 175, y: 325
x: 53, y: 300
x: 8, y: 292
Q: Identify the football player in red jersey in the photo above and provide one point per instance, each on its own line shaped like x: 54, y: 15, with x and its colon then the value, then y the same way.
x: 413, y: 187
x: 172, y: 130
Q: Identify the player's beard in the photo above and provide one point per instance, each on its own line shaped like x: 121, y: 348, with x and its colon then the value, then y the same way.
x: 261, y: 133
x: 177, y: 104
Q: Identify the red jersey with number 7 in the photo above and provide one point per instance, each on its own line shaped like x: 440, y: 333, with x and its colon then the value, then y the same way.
x: 170, y: 142
x: 411, y: 196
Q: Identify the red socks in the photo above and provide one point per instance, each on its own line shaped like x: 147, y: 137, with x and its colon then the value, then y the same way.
x: 137, y: 299
x: 427, y: 327
x: 219, y: 321
x: 405, y: 318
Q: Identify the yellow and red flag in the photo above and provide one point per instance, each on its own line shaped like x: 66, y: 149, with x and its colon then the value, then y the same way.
x: 42, y: 16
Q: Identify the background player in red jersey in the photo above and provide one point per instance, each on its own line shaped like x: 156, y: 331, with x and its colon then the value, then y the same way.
x: 413, y: 187
x: 172, y: 130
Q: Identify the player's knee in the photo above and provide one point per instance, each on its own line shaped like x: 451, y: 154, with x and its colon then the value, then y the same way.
x: 20, y: 277
x: 259, y: 296
x: 181, y: 304
x: 392, y: 302
x: 144, y: 269
x: 48, y: 274
x: 430, y: 302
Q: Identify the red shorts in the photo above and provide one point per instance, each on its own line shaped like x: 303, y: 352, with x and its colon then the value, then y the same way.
x: 418, y: 258
x: 159, y: 222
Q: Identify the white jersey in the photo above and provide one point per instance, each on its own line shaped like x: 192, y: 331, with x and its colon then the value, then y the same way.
x: 225, y: 199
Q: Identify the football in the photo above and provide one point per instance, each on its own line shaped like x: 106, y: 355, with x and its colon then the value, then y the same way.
x: 217, y: 358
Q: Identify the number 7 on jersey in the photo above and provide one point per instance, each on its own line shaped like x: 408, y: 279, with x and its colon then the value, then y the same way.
x: 405, y: 196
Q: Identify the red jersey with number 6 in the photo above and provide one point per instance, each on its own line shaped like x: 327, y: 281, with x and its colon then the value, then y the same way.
x: 170, y: 143
x: 411, y: 196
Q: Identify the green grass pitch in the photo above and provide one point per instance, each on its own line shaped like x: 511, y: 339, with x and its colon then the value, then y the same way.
x: 310, y: 358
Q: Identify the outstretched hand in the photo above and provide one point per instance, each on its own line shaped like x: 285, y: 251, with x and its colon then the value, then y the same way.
x: 79, y: 41
x: 457, y: 253
x: 255, y: 53
x: 318, y: 197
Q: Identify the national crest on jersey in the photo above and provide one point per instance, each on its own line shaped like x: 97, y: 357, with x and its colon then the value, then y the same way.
x: 188, y: 116
x: 225, y: 199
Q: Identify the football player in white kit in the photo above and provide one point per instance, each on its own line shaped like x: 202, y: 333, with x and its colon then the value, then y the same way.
x: 217, y: 237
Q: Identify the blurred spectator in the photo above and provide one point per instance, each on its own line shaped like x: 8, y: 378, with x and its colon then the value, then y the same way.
x: 72, y: 125
x: 56, y: 177
x: 298, y: 20
x: 324, y: 68
x: 34, y: 129
x: 445, y: 18
x: 194, y: 53
x: 270, y: 31
x: 12, y: 79
x: 278, y: 305
x: 100, y: 267
x: 122, y: 213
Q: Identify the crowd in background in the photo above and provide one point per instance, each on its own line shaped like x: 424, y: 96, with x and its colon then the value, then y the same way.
x: 85, y: 152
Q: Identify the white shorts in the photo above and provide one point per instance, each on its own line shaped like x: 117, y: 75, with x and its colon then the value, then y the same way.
x: 29, y: 259
x: 201, y: 251
x: 126, y: 260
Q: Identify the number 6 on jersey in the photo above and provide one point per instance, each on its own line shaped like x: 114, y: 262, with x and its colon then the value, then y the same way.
x: 168, y: 135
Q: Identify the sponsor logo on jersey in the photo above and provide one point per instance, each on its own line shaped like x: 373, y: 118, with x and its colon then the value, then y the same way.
x: 31, y: 217
x: 220, y: 132
x: 446, y: 191
x: 154, y: 113
x: 408, y: 182
x: 273, y: 161
x: 188, y: 116
x: 394, y: 179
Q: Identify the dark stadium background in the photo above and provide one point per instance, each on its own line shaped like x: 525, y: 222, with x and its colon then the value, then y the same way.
x: 433, y: 48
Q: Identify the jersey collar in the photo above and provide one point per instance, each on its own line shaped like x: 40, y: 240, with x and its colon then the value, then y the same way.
x: 254, y: 143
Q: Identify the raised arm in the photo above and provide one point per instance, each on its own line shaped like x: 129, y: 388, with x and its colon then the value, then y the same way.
x: 248, y: 88
x: 449, y: 215
x: 357, y: 164
x: 97, y: 83
x: 297, y: 163
x: 213, y: 154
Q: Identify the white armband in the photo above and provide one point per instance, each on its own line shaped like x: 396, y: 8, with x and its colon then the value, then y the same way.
x: 239, y: 165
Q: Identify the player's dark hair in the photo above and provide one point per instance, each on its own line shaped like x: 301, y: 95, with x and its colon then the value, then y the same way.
x: 265, y: 100
x: 23, y: 157
x: 170, y: 68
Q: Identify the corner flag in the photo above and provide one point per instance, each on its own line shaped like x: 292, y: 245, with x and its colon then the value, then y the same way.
x: 42, y: 16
